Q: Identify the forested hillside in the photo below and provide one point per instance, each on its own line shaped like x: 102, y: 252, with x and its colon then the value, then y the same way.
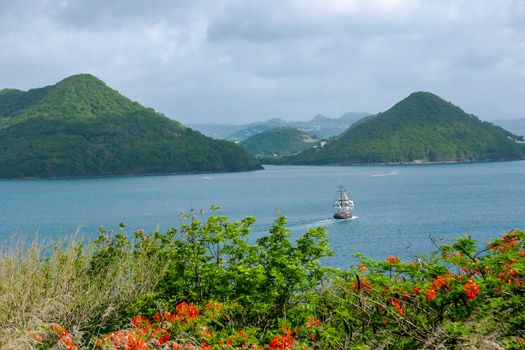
x: 81, y: 127
x: 421, y: 128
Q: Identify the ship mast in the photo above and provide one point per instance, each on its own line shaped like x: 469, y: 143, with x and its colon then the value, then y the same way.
x: 343, y: 202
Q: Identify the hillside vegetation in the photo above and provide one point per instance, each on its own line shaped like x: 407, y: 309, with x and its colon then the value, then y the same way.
x: 421, y: 128
x: 81, y: 127
x: 209, y: 285
x: 278, y: 142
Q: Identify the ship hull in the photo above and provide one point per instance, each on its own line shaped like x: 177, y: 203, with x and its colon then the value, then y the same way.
x: 342, y: 216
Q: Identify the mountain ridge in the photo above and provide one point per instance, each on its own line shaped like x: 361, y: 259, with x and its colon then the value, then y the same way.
x: 319, y: 126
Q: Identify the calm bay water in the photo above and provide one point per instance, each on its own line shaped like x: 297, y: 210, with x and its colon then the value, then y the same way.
x: 398, y: 207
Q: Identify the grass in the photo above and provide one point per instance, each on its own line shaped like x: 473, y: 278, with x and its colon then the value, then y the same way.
x: 69, y: 284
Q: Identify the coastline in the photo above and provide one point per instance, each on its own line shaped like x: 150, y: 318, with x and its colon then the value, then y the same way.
x: 129, y: 175
x: 415, y: 163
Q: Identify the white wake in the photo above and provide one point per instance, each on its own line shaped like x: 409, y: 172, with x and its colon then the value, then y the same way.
x: 387, y: 174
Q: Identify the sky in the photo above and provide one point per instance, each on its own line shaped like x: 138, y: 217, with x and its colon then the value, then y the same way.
x: 242, y: 61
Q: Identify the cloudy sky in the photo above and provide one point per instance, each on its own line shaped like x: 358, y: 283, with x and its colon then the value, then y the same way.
x: 240, y: 61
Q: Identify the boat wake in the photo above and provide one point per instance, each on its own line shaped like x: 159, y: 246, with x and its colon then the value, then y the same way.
x: 313, y: 224
x: 324, y: 222
x: 387, y: 174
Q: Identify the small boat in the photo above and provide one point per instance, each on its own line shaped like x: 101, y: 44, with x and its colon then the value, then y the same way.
x: 343, y: 204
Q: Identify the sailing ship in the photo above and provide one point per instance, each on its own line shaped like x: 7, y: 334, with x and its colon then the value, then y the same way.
x: 343, y: 204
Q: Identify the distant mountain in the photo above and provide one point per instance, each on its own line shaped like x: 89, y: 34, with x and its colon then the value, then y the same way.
x: 278, y: 142
x: 256, y: 128
x: 319, y: 126
x: 81, y: 127
x: 515, y: 126
x: 421, y: 128
x: 215, y: 130
x: 323, y: 127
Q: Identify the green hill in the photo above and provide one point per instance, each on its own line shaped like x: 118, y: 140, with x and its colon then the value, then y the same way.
x: 421, y: 128
x: 81, y: 127
x: 278, y: 142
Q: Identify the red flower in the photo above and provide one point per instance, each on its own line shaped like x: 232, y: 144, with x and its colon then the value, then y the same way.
x: 395, y: 303
x: 442, y: 282
x: 164, y: 338
x: 283, y: 341
x: 392, y: 259
x: 471, y: 289
x: 365, y: 284
x: 186, y: 310
x: 431, y: 294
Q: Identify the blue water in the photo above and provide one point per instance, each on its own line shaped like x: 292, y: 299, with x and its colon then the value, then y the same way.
x: 398, y: 207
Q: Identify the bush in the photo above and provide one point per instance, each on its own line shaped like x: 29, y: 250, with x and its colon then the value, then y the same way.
x: 204, y: 286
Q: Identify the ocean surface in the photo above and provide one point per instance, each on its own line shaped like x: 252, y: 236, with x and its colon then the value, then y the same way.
x: 397, y: 207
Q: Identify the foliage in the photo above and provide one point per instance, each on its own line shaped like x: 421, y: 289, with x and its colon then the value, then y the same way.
x: 205, y: 286
x: 268, y: 281
x: 421, y: 128
x: 278, y: 142
x: 81, y: 127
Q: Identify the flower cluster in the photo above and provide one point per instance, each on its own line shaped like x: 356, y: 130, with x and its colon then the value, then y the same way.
x: 392, y: 259
x: 145, y: 333
x: 509, y: 241
x: 471, y: 289
x: 440, y: 283
x: 363, y: 283
x: 189, y: 329
x: 57, y: 336
x: 283, y: 341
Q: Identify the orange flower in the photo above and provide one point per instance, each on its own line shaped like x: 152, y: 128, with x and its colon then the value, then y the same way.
x: 439, y: 282
x: 431, y: 294
x: 365, y: 284
x: 282, y: 342
x: 392, y: 259
x: 471, y: 289
x: 395, y: 303
x: 186, y: 310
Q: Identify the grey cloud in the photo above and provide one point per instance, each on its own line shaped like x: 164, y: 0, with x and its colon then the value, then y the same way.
x: 237, y: 61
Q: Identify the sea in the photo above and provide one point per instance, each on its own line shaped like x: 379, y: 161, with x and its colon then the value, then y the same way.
x: 401, y: 210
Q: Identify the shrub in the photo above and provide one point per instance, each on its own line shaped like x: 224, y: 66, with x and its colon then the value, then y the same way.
x: 205, y: 286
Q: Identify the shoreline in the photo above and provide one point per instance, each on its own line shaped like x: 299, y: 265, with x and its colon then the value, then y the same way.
x: 417, y: 162
x: 127, y: 175
x: 414, y: 163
